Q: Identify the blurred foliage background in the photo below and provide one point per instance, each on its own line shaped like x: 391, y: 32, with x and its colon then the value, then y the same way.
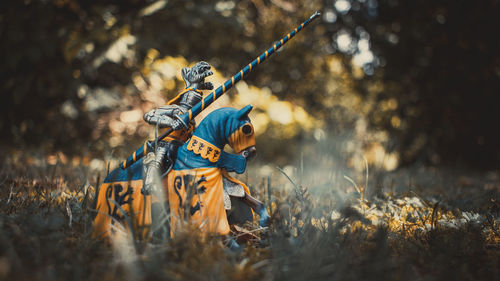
x: 401, y: 82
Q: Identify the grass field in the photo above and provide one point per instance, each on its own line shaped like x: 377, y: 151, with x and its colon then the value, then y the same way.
x: 331, y: 233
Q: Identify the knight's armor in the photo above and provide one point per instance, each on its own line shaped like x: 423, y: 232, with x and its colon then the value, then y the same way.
x: 165, y: 116
x: 160, y: 162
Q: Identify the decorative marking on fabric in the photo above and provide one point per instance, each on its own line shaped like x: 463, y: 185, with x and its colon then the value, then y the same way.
x: 241, y: 71
x: 145, y: 149
x: 124, y: 164
x: 203, y: 148
x: 190, y: 115
x: 267, y: 54
x: 223, y: 88
x: 127, y: 196
x: 232, y: 80
x: 250, y: 65
x: 134, y: 157
x: 281, y: 41
x: 258, y: 60
x: 206, y: 207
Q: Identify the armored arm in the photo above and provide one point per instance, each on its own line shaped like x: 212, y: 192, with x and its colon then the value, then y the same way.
x: 165, y: 116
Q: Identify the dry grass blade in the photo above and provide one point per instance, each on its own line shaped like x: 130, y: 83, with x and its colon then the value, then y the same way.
x: 10, y: 193
x: 353, y: 184
x: 297, y: 189
x: 130, y: 224
x: 366, y: 177
x: 269, y: 196
x: 70, y: 214
x: 433, y: 216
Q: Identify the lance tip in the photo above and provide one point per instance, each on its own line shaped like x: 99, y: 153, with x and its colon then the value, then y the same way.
x: 315, y: 15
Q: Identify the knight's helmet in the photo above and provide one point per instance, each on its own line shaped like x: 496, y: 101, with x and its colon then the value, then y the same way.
x: 195, y: 79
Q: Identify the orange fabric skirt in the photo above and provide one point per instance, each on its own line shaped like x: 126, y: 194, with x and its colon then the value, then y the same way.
x: 196, y: 197
x: 115, y: 202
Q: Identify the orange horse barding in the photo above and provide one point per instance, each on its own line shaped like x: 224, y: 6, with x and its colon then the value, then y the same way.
x: 199, y: 176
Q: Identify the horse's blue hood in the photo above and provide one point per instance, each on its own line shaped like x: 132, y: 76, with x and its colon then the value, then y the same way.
x: 219, y: 125
x: 205, y: 148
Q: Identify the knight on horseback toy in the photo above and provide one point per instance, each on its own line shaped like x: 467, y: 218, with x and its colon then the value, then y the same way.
x: 186, y: 168
x: 201, y: 161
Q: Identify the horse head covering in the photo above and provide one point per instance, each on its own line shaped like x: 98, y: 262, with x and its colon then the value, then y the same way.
x: 205, y: 148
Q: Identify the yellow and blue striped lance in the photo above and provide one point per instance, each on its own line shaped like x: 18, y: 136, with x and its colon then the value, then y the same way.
x: 208, y: 100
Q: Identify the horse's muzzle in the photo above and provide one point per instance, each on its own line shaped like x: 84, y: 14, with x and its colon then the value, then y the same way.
x: 249, y: 153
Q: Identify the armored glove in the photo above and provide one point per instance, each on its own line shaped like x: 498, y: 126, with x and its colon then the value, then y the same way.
x: 165, y: 116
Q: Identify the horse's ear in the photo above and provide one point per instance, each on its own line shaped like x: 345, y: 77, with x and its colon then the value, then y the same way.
x: 243, y: 113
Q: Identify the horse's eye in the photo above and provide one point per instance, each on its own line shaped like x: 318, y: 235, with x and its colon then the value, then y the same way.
x: 247, y: 129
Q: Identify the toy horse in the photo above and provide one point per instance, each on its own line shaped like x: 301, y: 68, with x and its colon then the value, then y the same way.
x: 198, y: 187
x: 200, y: 173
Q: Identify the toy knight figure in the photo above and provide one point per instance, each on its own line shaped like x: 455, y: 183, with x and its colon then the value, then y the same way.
x: 160, y: 163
